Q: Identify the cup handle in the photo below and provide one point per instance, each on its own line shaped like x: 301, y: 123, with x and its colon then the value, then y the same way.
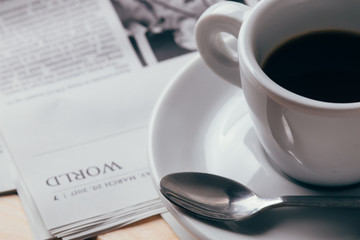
x: 219, y: 18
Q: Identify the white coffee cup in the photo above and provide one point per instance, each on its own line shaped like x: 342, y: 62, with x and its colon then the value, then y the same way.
x: 312, y: 141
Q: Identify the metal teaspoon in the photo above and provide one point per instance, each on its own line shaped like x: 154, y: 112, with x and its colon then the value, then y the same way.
x: 219, y: 198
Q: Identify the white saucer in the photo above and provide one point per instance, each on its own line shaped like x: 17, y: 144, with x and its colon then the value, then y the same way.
x: 201, y: 124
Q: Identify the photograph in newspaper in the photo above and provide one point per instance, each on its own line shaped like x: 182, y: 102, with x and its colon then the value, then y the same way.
x: 160, y: 29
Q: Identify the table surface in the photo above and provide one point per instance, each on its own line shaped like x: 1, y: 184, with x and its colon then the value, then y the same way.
x: 14, y: 225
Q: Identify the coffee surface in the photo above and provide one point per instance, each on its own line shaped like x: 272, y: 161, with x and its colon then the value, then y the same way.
x: 322, y: 65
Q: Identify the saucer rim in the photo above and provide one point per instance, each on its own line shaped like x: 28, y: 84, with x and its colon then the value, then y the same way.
x: 185, y: 222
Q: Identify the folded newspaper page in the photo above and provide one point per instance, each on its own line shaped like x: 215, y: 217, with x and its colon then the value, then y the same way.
x: 79, y: 80
x: 7, y: 184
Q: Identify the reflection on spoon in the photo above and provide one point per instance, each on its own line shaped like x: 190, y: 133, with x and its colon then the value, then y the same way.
x: 218, y: 198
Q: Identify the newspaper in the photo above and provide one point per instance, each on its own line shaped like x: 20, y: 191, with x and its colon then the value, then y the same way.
x: 78, y: 81
x: 6, y: 182
x: 145, y: 53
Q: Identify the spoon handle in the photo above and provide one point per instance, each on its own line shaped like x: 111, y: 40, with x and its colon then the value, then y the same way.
x: 322, y: 201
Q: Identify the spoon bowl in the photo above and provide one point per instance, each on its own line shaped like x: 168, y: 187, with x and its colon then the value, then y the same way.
x: 219, y: 198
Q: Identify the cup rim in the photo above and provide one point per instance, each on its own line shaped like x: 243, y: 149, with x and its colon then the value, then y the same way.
x: 285, y: 97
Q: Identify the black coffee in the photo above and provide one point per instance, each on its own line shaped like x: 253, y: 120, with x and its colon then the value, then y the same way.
x: 322, y: 65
